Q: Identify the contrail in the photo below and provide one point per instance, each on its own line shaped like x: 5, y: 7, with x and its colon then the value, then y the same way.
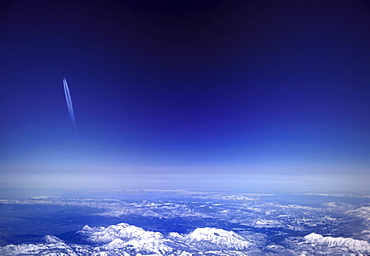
x: 69, y: 102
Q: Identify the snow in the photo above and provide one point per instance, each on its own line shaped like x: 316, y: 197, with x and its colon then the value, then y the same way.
x: 263, y: 223
x: 122, y: 230
x: 52, y: 239
x: 362, y: 212
x: 354, y: 245
x: 60, y: 249
x: 127, y: 236
x: 219, y: 237
x: 250, y: 227
x: 124, y: 239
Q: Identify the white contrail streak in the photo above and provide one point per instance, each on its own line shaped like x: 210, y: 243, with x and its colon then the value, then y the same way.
x: 69, y: 101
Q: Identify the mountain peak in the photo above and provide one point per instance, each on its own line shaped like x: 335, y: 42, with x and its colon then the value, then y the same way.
x: 52, y: 239
x: 354, y: 245
x: 218, y: 237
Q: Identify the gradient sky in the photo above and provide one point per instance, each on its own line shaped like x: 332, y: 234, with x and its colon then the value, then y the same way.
x: 246, y: 95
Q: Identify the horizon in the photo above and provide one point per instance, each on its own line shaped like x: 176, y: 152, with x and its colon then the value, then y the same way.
x: 193, y: 95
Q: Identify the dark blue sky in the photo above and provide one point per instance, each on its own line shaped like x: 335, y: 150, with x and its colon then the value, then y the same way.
x: 165, y: 91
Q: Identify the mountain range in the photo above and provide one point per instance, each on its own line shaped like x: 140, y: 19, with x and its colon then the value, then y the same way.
x: 125, y: 239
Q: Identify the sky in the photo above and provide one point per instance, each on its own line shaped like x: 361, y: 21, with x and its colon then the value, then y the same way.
x: 196, y: 95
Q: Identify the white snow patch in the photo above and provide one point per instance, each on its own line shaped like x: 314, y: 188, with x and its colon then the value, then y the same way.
x: 218, y: 237
x: 358, y: 246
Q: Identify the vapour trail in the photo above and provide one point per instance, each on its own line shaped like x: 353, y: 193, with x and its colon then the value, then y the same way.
x: 69, y: 101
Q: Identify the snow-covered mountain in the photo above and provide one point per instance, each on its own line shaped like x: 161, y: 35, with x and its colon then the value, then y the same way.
x: 125, y: 239
x: 217, y: 238
x: 362, y: 212
x: 197, y: 225
x: 56, y: 247
x: 121, y: 230
x: 52, y: 239
x: 127, y: 236
x: 352, y: 245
